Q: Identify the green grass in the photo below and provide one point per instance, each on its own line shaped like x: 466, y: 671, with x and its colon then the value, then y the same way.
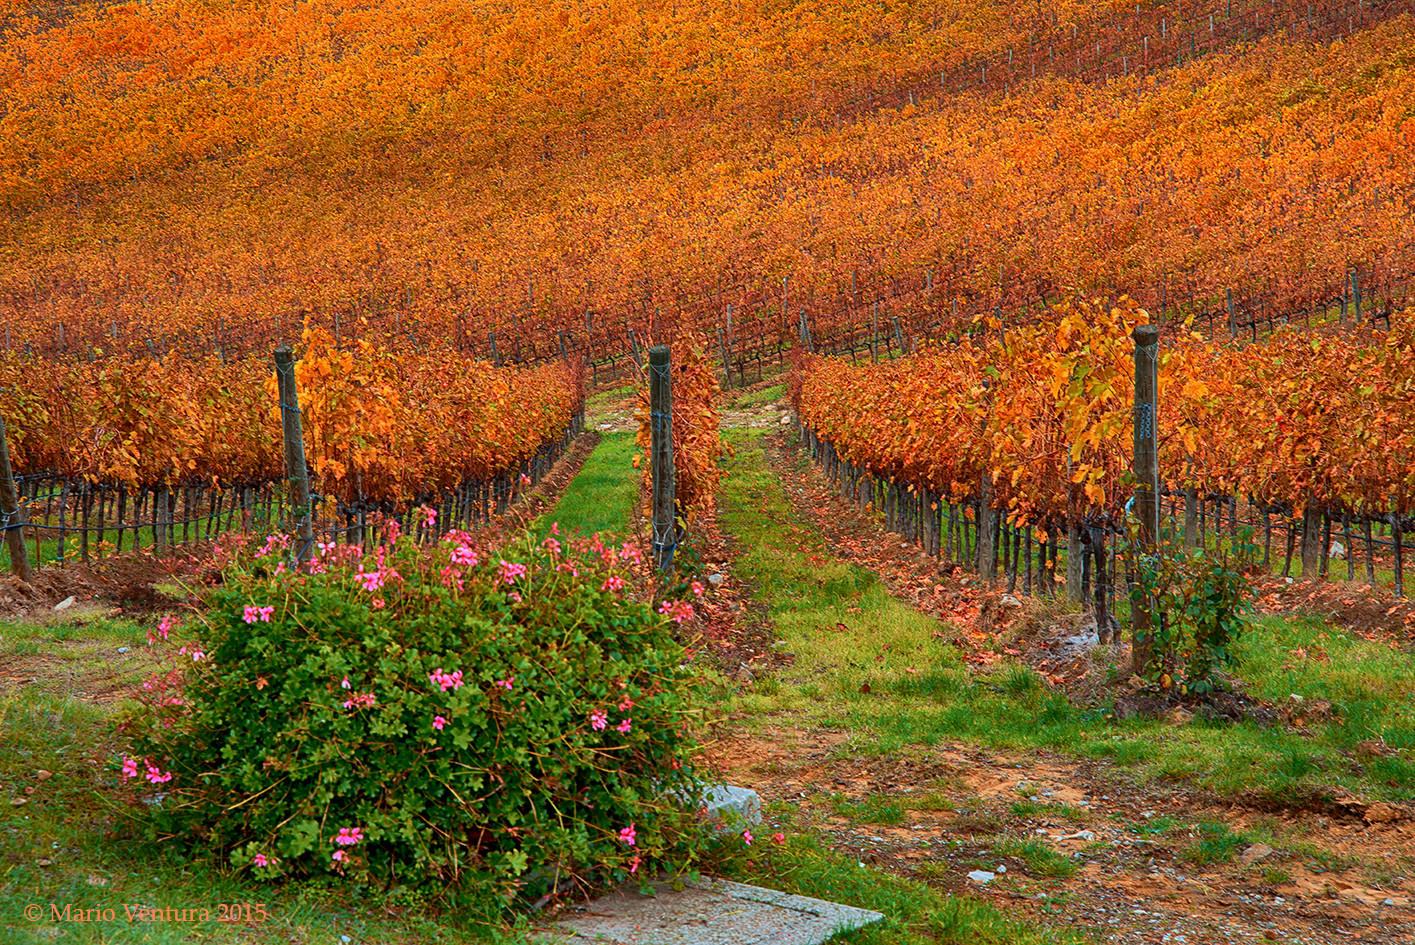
x: 610, y: 395
x: 601, y: 498
x: 874, y: 809
x: 915, y: 913
x: 766, y: 395
x: 1040, y: 858
x: 891, y: 682
x: 1216, y: 843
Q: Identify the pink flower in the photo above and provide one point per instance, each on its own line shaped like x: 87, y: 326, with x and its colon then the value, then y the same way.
x: 624, y: 726
x: 438, y: 678
x: 260, y: 860
x: 525, y: 480
x: 377, y: 603
x: 628, y: 834
x: 505, y: 683
x: 130, y: 768
x: 156, y: 775
x: 345, y: 683
x: 197, y: 655
x: 612, y: 583
x: 438, y: 721
x: 361, y: 700
x: 555, y: 528
x: 252, y: 614
x: 510, y: 571
x: 551, y: 545
x: 778, y: 838
x: 599, y: 719
x: 348, y: 836
x: 339, y: 855
x: 266, y: 612
x: 679, y: 610
x: 165, y: 625
x: 747, y: 836
x: 698, y: 588
x: 464, y: 557
x: 626, y: 705
x: 634, y: 865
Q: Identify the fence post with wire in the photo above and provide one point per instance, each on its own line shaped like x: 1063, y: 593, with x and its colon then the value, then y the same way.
x: 296, y: 471
x: 10, y: 513
x: 1146, y: 459
x: 665, y: 529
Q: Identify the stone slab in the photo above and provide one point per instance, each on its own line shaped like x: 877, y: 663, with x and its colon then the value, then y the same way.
x: 745, y: 803
x: 710, y: 912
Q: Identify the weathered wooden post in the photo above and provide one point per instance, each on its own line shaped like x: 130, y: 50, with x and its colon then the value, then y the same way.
x: 665, y: 538
x: 295, y: 469
x: 726, y: 361
x: 10, y: 510
x: 1146, y: 464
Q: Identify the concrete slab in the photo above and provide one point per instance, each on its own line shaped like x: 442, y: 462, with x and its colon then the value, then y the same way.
x: 745, y: 803
x: 711, y: 912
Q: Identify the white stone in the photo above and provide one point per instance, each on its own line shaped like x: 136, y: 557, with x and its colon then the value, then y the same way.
x: 981, y: 877
x: 66, y: 603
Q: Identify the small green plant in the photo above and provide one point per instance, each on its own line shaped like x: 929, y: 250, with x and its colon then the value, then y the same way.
x: 1200, y: 601
x: 1041, y: 859
x: 426, y: 717
x: 1275, y: 876
x: 1216, y: 844
x: 873, y: 809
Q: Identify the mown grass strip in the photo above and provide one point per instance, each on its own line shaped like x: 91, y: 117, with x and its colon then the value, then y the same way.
x: 873, y: 665
x: 601, y: 498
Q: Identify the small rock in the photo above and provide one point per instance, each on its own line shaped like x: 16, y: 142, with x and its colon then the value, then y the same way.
x: 1388, y: 902
x: 714, y: 579
x: 982, y: 877
x: 66, y: 603
x: 44, y: 775
x: 1295, y: 699
x: 1253, y: 854
x: 1178, y: 716
x: 122, y: 649
x: 1002, y: 869
x: 1382, y: 813
x: 1007, y: 600
x: 44, y: 862
x: 18, y: 801
x: 785, y: 419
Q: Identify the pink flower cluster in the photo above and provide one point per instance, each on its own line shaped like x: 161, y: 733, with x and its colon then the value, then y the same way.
x: 262, y: 614
x: 164, y: 627
x: 612, y: 583
x: 447, y: 681
x: 260, y: 860
x: 678, y: 610
x: 360, y: 700
x: 510, y: 571
x: 505, y: 683
x: 348, y: 836
x: 154, y: 774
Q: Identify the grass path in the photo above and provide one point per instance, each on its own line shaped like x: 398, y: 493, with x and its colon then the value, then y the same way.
x: 996, y: 756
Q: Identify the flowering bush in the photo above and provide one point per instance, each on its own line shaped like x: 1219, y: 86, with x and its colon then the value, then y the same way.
x: 427, y: 714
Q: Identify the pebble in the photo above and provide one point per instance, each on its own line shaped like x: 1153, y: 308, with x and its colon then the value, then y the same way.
x: 122, y: 649
x: 981, y: 877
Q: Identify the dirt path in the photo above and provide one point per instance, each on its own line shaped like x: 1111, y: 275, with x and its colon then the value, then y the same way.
x: 1066, y: 840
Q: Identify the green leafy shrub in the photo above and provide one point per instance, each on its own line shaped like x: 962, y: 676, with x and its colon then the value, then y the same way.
x: 428, y: 717
x: 1201, y: 601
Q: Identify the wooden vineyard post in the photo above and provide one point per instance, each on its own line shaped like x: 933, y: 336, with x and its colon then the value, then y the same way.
x: 665, y: 538
x: 10, y: 509
x: 1146, y: 485
x: 295, y: 469
x: 726, y: 362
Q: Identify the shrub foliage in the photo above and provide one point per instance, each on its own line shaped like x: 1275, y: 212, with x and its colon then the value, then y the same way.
x: 427, y: 715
